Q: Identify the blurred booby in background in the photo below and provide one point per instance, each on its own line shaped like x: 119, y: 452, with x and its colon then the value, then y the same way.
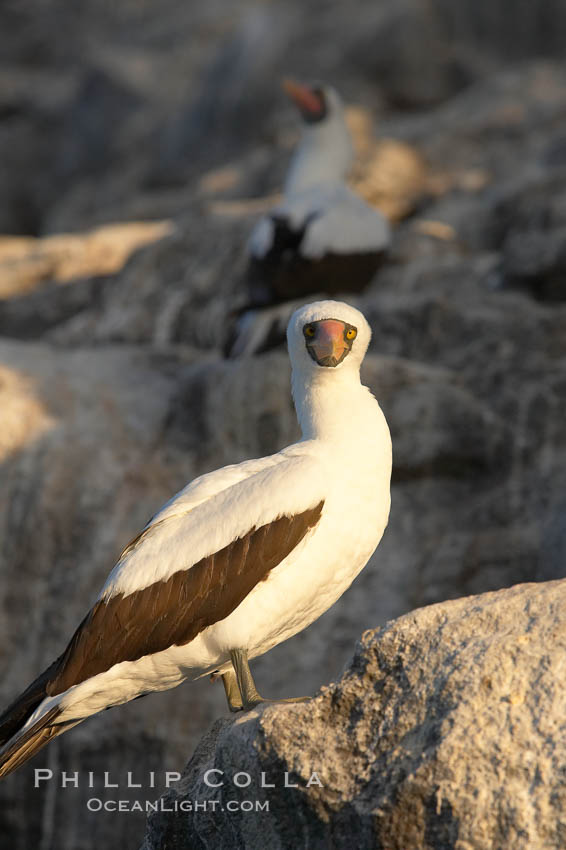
x: 322, y: 237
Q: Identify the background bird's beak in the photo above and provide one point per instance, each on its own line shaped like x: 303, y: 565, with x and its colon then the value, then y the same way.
x: 305, y: 98
x: 329, y: 346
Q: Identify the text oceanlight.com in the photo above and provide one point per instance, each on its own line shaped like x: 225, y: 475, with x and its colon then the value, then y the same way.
x: 147, y: 806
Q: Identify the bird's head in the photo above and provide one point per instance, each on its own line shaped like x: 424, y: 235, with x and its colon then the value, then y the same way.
x: 326, y: 143
x: 327, y: 336
x: 315, y: 103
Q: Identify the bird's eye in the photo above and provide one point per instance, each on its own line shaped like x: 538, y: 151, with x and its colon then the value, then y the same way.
x: 309, y: 331
x: 351, y: 333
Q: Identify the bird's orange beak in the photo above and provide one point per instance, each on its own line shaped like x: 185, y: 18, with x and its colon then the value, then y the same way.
x: 328, y: 346
x: 307, y: 100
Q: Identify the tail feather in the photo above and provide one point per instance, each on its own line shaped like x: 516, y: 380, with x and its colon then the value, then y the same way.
x: 29, y: 742
x: 17, y: 714
x: 18, y: 744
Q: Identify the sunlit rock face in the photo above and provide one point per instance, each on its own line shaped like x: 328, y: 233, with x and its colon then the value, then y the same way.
x: 440, y: 723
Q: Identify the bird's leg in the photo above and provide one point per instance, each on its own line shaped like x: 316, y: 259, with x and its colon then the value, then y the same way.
x: 232, y: 691
x: 246, y: 684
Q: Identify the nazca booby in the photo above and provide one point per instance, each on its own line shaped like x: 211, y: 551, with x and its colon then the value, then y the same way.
x: 322, y: 237
x: 240, y: 559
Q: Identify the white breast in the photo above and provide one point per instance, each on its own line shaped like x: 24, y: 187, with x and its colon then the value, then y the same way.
x: 323, y: 566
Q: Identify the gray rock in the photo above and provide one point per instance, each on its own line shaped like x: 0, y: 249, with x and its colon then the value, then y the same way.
x: 532, y: 218
x: 46, y: 281
x: 445, y: 731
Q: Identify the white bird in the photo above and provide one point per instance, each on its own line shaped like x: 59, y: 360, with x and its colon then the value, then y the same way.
x: 240, y: 559
x: 322, y: 237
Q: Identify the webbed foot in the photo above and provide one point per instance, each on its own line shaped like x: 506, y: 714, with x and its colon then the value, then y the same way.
x: 247, y: 689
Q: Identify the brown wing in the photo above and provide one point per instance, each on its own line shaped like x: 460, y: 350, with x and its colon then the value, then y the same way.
x: 173, y: 612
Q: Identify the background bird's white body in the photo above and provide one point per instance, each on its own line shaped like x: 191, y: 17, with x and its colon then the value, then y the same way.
x: 316, y: 197
x: 322, y: 237
x: 335, y: 219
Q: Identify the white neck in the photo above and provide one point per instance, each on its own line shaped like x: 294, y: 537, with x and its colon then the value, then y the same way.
x: 324, y: 155
x: 334, y: 407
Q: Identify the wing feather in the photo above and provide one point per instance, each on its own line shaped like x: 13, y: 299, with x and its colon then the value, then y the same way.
x: 292, y: 481
x: 174, y: 611
x: 200, y: 490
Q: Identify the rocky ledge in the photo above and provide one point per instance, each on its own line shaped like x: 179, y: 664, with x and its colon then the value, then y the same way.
x: 447, y: 730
